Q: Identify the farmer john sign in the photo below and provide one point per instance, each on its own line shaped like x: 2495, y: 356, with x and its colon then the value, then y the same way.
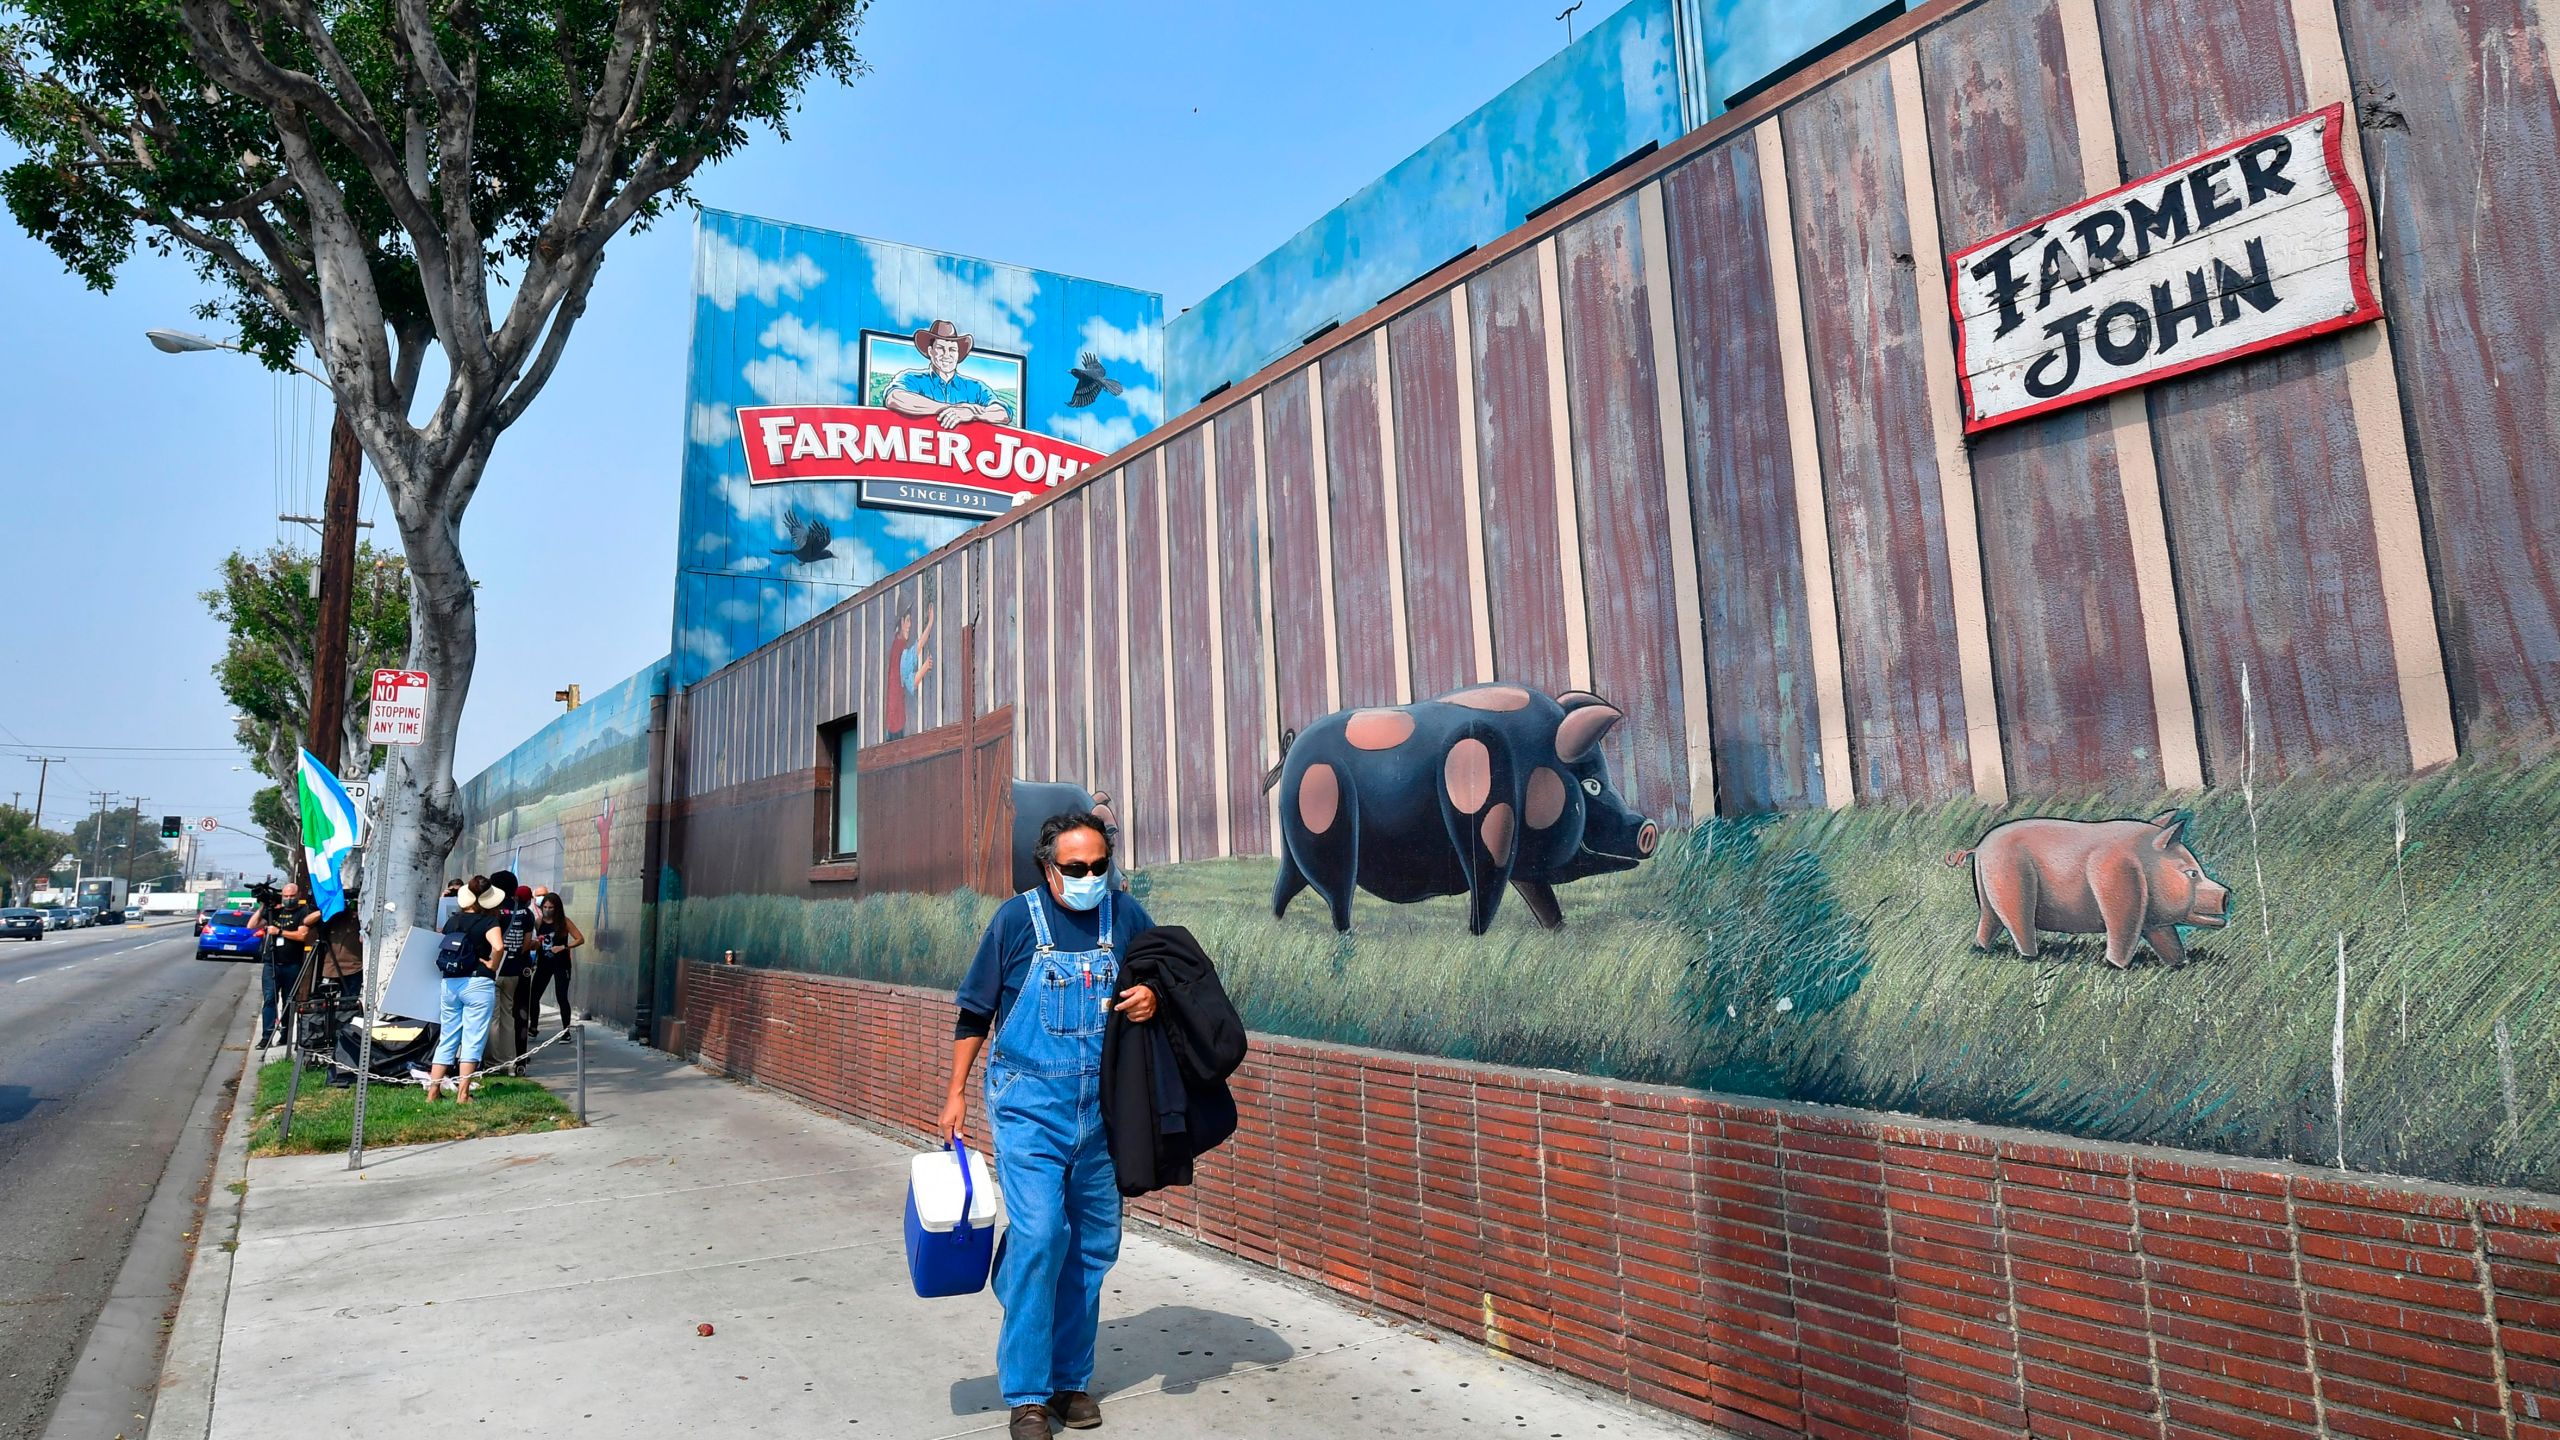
x: 937, y: 436
x: 2255, y: 245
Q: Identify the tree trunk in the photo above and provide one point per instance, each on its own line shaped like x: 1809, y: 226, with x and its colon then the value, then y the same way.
x: 422, y: 813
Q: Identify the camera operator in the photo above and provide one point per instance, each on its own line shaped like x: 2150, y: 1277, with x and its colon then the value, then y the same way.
x: 290, y: 923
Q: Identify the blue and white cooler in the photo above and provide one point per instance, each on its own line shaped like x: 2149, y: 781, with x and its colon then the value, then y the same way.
x: 953, y: 1212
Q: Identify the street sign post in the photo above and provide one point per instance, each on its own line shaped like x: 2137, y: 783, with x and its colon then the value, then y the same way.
x: 399, y: 712
x: 208, y: 824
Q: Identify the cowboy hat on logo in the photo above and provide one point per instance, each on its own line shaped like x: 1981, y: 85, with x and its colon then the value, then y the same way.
x: 942, y: 330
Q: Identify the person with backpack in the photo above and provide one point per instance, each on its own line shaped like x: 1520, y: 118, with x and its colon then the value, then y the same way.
x: 516, y: 927
x: 467, y: 959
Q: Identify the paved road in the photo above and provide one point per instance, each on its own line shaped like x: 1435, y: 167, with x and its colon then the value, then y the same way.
x: 106, y: 1037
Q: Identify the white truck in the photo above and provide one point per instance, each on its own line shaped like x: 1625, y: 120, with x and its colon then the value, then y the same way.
x: 168, y: 902
x: 104, y: 894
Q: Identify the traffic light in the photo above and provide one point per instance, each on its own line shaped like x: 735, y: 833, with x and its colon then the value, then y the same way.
x: 171, y: 827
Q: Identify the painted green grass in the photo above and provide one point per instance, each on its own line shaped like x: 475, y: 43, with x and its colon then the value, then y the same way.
x: 324, y: 1119
x: 1828, y: 957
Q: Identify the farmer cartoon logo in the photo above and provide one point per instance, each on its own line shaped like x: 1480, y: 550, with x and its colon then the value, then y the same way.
x: 939, y: 389
x: 937, y: 436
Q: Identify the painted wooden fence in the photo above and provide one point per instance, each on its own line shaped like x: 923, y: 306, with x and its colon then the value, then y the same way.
x: 1696, y: 440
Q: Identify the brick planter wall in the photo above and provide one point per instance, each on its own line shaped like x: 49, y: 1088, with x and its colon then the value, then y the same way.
x: 1782, y: 1269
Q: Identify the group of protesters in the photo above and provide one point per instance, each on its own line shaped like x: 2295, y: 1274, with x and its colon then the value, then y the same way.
x: 523, y: 937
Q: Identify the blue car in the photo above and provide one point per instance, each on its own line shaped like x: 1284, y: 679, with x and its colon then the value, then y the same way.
x: 227, y: 936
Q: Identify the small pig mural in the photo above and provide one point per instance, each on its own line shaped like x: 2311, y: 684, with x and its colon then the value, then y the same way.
x: 2131, y: 879
x: 1460, y: 795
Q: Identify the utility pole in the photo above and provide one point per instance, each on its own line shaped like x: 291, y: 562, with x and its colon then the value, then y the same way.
x: 44, y: 766
x: 337, y: 585
x: 98, y: 833
x: 133, y: 838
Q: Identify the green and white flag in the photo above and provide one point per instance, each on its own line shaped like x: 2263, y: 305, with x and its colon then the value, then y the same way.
x: 331, y: 829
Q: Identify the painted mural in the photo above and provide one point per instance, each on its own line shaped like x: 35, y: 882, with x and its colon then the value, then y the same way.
x: 1610, y: 93
x: 2155, y: 770
x: 1485, y: 787
x: 569, y: 809
x: 891, y: 397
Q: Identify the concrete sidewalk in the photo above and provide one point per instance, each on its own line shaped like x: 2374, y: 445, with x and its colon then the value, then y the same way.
x: 553, y: 1283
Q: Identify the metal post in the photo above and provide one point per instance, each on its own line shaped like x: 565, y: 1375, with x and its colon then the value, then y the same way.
x: 364, y: 1045
x: 293, y: 1078
x: 578, y: 1042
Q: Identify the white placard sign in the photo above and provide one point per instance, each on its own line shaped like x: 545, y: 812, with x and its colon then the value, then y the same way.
x: 2257, y: 244
x: 399, y: 713
x: 414, y: 988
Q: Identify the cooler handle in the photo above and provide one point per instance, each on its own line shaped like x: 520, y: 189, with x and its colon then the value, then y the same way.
x: 961, y: 1152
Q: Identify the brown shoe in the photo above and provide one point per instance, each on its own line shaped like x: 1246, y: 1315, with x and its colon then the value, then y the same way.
x: 1076, y: 1410
x: 1030, y: 1422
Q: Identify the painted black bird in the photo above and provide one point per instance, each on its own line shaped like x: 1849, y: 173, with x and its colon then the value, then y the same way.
x: 808, y: 537
x: 1090, y: 382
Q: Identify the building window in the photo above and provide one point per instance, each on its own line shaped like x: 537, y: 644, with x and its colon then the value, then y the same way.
x: 844, y: 823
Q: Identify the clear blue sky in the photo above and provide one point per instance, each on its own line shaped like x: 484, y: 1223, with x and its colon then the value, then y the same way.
x: 1159, y: 145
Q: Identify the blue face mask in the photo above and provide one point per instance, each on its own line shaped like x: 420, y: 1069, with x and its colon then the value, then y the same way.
x: 1081, y: 894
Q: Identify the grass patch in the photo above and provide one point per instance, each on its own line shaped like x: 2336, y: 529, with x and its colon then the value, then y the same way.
x: 1828, y: 957
x: 324, y: 1119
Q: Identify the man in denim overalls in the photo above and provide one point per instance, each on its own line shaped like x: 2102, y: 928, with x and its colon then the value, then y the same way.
x: 1042, y: 986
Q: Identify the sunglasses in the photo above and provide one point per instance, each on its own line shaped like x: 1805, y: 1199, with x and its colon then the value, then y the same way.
x: 1079, y: 869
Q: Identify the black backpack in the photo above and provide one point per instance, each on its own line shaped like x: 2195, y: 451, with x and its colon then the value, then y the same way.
x: 458, y: 956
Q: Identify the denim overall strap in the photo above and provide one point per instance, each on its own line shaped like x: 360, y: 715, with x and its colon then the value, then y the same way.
x: 1039, y: 919
x: 1055, y: 1025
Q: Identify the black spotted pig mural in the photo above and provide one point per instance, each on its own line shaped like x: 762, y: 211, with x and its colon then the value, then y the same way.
x: 1460, y: 795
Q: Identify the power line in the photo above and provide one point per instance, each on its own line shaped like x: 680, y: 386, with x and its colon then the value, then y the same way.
x: 140, y: 749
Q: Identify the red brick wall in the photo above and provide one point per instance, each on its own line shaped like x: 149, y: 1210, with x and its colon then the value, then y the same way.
x: 1783, y: 1269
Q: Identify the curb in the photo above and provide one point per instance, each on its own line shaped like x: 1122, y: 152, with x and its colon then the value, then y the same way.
x: 183, y: 1407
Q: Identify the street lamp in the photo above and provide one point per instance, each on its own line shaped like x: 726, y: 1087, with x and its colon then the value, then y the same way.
x: 337, y: 557
x: 183, y: 342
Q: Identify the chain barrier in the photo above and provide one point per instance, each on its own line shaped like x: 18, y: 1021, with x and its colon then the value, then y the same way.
x: 315, y: 1057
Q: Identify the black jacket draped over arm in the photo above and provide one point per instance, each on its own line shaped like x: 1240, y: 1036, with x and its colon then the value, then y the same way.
x: 1165, y: 1100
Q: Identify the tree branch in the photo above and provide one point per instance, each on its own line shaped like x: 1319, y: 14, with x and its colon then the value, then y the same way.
x: 572, y: 306
x: 218, y: 37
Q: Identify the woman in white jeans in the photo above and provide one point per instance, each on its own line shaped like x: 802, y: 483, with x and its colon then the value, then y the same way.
x: 468, y: 1001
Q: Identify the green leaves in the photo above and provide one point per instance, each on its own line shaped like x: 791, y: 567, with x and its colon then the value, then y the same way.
x: 27, y: 851
x: 266, y: 604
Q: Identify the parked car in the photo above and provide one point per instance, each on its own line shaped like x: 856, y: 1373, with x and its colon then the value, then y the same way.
x: 227, y: 936
x: 61, y: 917
x: 22, y: 924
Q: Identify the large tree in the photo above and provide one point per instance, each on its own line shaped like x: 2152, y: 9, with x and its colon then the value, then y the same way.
x: 373, y: 178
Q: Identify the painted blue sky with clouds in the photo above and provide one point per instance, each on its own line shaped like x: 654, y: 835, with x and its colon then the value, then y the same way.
x: 779, y: 311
